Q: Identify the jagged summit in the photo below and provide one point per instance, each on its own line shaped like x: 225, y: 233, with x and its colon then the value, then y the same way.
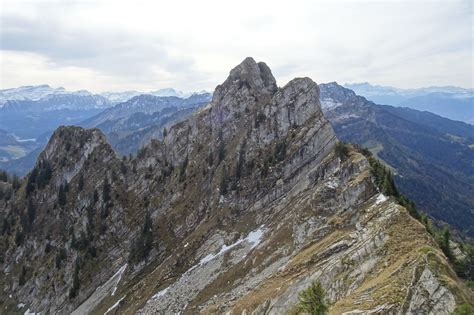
x: 251, y: 90
x: 255, y: 77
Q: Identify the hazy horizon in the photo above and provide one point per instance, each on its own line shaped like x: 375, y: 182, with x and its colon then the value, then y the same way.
x: 212, y: 89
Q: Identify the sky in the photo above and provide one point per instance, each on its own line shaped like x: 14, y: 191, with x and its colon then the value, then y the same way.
x: 102, y: 45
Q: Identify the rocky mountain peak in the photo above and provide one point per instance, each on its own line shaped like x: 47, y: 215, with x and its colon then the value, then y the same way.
x: 250, y: 77
x: 70, y: 146
x: 335, y: 91
x: 334, y: 95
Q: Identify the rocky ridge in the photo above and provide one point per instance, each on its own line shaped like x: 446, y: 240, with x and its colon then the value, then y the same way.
x: 248, y: 203
x: 433, y: 166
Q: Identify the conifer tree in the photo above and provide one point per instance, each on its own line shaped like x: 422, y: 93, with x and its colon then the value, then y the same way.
x: 312, y: 300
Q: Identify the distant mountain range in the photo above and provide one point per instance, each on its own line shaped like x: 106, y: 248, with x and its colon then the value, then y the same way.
x: 29, y: 119
x: 118, y: 97
x: 34, y: 93
x: 131, y: 124
x: 28, y: 116
x: 128, y: 125
x: 431, y: 156
x: 451, y: 102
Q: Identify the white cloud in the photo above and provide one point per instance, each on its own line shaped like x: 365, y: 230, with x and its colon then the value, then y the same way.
x: 191, y: 45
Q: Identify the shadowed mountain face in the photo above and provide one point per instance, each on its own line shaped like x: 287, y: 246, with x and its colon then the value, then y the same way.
x: 238, y: 209
x: 432, y: 156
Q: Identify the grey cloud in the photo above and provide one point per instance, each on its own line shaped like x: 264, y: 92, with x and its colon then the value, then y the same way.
x: 110, y: 52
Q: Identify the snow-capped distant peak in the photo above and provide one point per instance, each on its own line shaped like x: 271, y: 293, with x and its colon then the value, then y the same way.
x: 120, y: 97
x: 35, y: 93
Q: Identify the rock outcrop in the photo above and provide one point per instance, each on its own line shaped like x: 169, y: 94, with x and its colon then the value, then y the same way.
x: 236, y: 211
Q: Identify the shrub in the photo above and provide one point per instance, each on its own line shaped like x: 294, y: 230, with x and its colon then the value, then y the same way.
x: 60, y: 256
x: 31, y: 181
x: 224, y: 183
x: 341, y: 150
x: 465, y: 267
x: 463, y: 309
x: 123, y: 167
x: 44, y: 174
x: 95, y: 196
x: 31, y: 211
x: 280, y: 151
x: 312, y: 300
x: 19, y: 238
x: 6, y: 227
x: 240, y: 161
x: 259, y: 118
x: 182, y: 169
x: 75, y: 281
x: 62, y: 194
x: 221, y: 151
x: 142, y: 246
x: 106, y: 191
x: 443, y: 241
x: 16, y: 183
x: 3, y: 176
x: 22, y: 279
x: 80, y: 183
x: 210, y: 158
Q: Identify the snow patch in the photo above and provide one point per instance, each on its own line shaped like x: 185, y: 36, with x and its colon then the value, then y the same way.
x: 101, y: 292
x: 380, y: 198
x: 159, y: 294
x: 114, y: 306
x: 29, y: 312
x: 332, y: 184
x: 254, y: 237
x: 21, y: 305
x: 329, y: 103
x: 119, y: 275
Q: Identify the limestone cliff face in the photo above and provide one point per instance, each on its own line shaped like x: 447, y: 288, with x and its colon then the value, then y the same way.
x: 248, y: 202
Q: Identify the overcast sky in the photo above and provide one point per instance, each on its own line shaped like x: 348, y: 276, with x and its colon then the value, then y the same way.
x: 192, y: 45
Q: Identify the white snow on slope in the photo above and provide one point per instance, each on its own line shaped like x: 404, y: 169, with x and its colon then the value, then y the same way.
x: 380, y: 198
x: 109, y: 287
x: 119, y: 275
x: 254, y: 238
x: 114, y: 306
x: 159, y: 293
